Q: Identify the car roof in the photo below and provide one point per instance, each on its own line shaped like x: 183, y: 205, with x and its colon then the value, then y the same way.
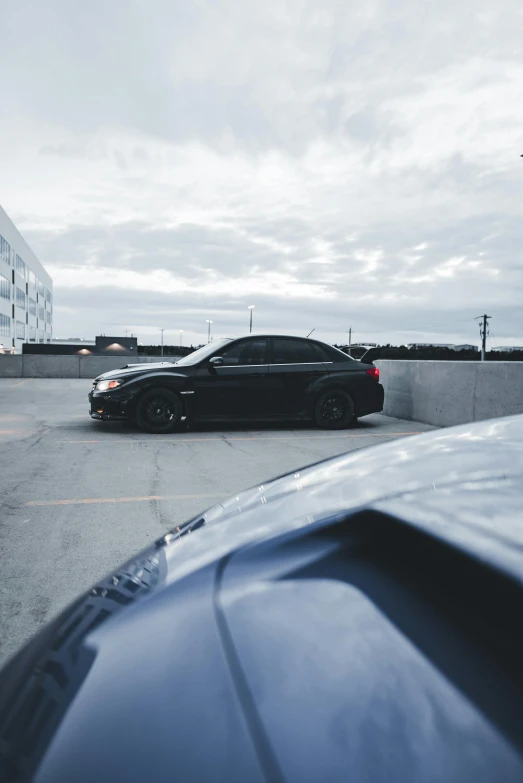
x: 283, y: 336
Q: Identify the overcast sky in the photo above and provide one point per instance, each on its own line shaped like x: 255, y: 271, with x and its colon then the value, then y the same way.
x: 333, y: 163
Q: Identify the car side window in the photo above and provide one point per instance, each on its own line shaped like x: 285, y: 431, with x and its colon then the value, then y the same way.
x: 294, y: 352
x: 247, y: 352
x: 323, y: 353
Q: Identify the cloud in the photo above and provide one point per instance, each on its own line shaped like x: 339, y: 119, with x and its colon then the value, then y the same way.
x: 337, y: 164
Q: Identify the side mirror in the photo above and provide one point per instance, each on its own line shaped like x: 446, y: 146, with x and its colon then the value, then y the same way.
x: 216, y: 361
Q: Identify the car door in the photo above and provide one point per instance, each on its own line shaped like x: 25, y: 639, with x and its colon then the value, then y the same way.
x: 236, y: 388
x: 294, y: 366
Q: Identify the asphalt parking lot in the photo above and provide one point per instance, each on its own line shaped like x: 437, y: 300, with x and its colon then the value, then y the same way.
x: 79, y: 496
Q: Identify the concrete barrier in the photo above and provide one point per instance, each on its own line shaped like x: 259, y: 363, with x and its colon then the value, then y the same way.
x: 62, y: 366
x: 45, y: 366
x: 10, y: 366
x: 499, y: 389
x: 447, y: 393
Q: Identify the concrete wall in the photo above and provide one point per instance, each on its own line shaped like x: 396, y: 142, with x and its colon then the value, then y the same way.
x: 35, y: 366
x: 48, y: 366
x: 12, y: 367
x: 447, y: 393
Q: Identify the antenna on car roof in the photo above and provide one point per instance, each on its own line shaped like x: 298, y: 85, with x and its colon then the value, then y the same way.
x: 311, y: 332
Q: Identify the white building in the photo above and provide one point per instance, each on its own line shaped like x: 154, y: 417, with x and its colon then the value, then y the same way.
x: 26, y: 291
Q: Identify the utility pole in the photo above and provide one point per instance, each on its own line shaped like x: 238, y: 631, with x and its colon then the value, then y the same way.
x: 209, y: 331
x: 483, y: 330
x: 251, y: 308
x: 161, y: 350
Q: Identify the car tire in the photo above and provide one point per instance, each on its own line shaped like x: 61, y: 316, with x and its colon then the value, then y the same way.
x: 334, y: 410
x: 159, y: 411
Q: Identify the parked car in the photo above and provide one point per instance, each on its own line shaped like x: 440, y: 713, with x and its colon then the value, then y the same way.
x: 356, y: 620
x: 250, y: 378
x: 371, y: 352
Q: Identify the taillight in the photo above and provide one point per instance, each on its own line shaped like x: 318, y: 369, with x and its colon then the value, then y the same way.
x: 374, y: 373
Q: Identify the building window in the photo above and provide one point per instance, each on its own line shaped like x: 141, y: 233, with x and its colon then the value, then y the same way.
x: 32, y: 306
x: 41, y: 288
x: 20, y: 298
x: 20, y: 330
x: 5, y: 325
x: 41, y: 314
x: 5, y: 288
x: 48, y: 317
x: 31, y: 277
x: 41, y: 337
x: 5, y: 251
x: 48, y: 297
x: 32, y: 334
x: 20, y: 266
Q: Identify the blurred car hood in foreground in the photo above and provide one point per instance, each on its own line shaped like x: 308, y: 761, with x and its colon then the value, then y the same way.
x: 356, y: 619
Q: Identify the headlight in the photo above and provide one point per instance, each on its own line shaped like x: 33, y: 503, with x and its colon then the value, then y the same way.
x: 106, y: 385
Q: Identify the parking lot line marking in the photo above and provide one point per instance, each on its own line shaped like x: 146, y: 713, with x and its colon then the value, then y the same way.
x: 77, y: 441
x: 85, y: 501
x: 108, y: 441
x: 20, y: 384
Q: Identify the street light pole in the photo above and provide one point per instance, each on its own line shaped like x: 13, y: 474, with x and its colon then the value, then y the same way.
x: 209, y: 331
x: 161, y: 350
x: 181, y: 332
x: 251, y: 308
x: 350, y: 339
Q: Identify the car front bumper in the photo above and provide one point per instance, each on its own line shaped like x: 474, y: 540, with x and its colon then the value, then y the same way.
x: 109, y: 407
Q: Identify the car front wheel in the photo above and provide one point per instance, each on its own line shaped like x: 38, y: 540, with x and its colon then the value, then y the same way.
x: 159, y: 411
x: 334, y: 410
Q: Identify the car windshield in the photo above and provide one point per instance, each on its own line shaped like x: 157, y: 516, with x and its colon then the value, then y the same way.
x: 203, y: 353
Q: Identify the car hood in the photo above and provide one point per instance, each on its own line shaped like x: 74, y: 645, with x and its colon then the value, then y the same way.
x: 134, y: 369
x: 462, y: 486
x: 423, y: 464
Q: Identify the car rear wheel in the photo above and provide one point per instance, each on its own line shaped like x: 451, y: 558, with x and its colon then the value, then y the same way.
x: 159, y: 411
x: 334, y: 410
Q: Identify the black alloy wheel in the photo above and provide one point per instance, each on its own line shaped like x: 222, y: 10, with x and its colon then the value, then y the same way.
x: 334, y: 410
x: 159, y: 410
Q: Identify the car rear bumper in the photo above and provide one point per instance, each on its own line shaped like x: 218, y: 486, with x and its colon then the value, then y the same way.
x: 373, y: 400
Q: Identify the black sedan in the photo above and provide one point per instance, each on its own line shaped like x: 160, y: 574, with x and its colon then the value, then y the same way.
x: 250, y: 378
